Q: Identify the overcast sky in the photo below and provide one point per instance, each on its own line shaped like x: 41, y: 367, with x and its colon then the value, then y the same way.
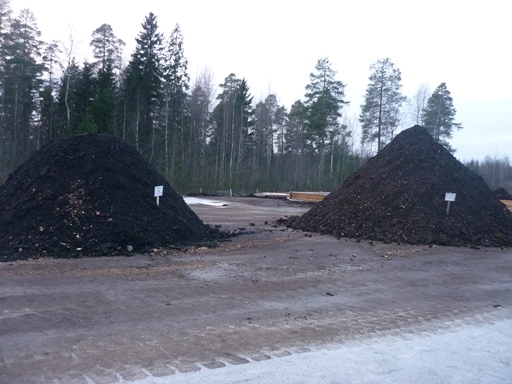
x: 276, y: 44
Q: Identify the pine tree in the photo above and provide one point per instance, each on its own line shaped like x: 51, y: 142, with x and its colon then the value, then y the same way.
x: 21, y: 71
x: 5, y: 21
x: 107, y: 47
x: 48, y: 106
x: 5, y: 16
x: 107, y: 50
x: 382, y: 109
x: 439, y: 115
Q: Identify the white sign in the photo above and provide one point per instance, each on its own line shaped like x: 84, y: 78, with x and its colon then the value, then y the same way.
x: 159, y: 191
x: 449, y: 196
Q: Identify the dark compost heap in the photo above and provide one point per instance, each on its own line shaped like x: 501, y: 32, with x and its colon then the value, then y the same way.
x: 92, y: 195
x: 399, y: 196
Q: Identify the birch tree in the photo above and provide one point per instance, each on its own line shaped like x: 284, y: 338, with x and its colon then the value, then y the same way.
x: 418, y: 103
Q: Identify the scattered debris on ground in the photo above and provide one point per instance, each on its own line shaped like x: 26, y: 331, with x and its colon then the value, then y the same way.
x: 399, y: 196
x: 92, y: 195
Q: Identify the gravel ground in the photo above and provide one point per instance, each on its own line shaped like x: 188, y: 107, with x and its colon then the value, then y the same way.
x: 257, y: 305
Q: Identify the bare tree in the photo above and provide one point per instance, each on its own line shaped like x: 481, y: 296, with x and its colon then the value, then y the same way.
x: 201, y: 105
x: 495, y: 172
x: 418, y: 103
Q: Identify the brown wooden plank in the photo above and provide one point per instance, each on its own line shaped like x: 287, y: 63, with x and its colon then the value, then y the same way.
x: 308, y: 196
x: 508, y: 203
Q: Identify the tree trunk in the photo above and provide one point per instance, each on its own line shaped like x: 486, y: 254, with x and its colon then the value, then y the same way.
x: 137, y: 123
x: 166, y: 136
x: 379, y: 128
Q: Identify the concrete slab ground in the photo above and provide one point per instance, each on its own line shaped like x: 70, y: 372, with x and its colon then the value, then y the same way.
x: 479, y: 353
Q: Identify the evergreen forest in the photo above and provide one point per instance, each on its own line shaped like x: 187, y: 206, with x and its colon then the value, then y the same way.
x: 200, y: 135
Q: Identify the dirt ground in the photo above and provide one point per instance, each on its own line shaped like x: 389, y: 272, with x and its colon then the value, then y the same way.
x: 265, y: 294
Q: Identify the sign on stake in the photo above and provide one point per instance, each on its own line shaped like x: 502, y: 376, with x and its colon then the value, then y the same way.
x: 449, y: 197
x: 159, y: 191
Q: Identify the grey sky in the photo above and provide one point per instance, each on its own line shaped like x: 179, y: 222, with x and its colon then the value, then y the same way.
x: 276, y: 44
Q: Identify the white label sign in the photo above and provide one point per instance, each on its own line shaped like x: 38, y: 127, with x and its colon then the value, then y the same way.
x: 449, y: 196
x: 159, y: 191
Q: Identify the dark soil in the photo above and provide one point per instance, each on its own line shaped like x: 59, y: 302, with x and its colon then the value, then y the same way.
x: 502, y: 194
x: 398, y: 196
x: 92, y: 195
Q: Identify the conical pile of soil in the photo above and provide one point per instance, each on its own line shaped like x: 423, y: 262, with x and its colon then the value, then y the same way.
x: 399, y: 196
x: 91, y: 195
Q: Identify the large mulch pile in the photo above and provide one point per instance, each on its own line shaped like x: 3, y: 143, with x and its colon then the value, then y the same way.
x: 92, y: 195
x: 399, y: 196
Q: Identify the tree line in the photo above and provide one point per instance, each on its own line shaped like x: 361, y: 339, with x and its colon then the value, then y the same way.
x: 198, y: 135
x: 495, y: 172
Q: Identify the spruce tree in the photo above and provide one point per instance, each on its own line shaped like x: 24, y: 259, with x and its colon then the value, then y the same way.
x: 231, y: 136
x: 48, y: 107
x: 82, y: 97
x: 143, y: 87
x: 325, y: 99
x: 176, y: 114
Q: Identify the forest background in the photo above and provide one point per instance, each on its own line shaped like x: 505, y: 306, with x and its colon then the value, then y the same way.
x: 200, y: 135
